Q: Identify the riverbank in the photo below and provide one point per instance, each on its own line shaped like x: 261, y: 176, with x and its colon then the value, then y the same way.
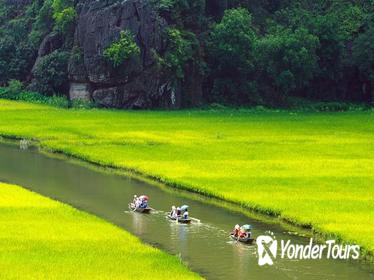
x: 42, y: 238
x: 310, y: 169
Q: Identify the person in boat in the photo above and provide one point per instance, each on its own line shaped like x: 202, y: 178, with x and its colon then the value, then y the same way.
x: 185, y: 215
x: 138, y: 202
x: 179, y: 212
x: 173, y: 212
x: 143, y: 203
x: 236, y: 231
x: 245, y: 231
x: 133, y: 203
x: 242, y: 233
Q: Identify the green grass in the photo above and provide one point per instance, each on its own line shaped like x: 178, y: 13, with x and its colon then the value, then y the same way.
x: 44, y: 239
x: 311, y: 168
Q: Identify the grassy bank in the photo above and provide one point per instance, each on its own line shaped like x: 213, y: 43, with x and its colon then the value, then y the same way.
x: 44, y: 239
x: 310, y: 168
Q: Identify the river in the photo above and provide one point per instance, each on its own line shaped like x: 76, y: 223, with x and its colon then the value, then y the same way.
x: 205, y: 247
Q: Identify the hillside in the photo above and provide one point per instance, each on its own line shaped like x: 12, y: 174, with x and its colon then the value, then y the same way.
x: 179, y: 53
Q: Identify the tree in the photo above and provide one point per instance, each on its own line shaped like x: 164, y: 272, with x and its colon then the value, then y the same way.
x: 119, y: 51
x: 363, y: 59
x: 286, y: 62
x: 231, y: 59
x: 64, y: 15
x: 50, y: 73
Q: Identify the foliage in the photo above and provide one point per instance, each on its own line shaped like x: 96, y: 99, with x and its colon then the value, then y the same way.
x: 12, y: 90
x: 285, y: 62
x: 231, y: 56
x: 15, y: 91
x: 51, y: 73
x: 22, y: 30
x: 363, y: 58
x: 82, y: 104
x: 184, y: 14
x: 181, y: 50
x: 217, y: 40
x: 123, y: 49
x: 64, y: 15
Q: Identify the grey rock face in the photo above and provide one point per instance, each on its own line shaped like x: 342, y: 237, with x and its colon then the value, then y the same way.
x: 50, y: 43
x: 136, y: 83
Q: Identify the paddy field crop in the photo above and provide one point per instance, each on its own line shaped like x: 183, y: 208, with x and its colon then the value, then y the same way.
x: 44, y: 239
x: 313, y: 169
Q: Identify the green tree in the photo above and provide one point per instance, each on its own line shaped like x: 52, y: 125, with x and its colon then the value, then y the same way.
x: 50, y: 74
x: 120, y: 51
x: 286, y: 62
x: 230, y: 51
x: 363, y: 59
x: 64, y: 15
x: 181, y: 50
x: 189, y: 15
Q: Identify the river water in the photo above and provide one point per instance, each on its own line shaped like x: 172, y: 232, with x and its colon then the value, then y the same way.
x: 204, y: 247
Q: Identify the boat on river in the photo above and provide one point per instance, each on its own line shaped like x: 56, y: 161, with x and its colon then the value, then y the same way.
x: 146, y: 210
x: 180, y: 219
x: 246, y: 240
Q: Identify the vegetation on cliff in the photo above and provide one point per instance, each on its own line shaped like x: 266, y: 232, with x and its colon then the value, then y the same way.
x: 244, y: 52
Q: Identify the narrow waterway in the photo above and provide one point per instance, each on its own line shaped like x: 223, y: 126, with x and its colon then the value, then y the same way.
x: 204, y: 246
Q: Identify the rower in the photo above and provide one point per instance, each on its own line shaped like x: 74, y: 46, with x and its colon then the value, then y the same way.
x: 185, y: 215
x: 236, y: 230
x: 173, y: 212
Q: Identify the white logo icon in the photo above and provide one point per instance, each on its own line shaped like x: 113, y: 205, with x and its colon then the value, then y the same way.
x: 267, y: 249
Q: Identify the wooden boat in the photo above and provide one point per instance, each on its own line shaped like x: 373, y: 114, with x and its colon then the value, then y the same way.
x: 246, y: 240
x: 140, y: 210
x: 180, y: 220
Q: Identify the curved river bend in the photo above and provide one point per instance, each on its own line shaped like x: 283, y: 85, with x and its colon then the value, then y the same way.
x: 205, y: 247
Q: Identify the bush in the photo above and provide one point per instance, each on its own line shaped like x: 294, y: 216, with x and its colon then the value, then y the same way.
x: 64, y: 15
x: 12, y: 91
x: 51, y: 73
x: 64, y: 20
x: 120, y: 51
x: 82, y: 104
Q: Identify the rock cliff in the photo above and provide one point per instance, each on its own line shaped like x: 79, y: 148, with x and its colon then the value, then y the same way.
x: 137, y: 83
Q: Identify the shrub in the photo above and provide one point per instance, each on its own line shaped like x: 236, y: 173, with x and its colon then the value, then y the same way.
x: 82, y: 104
x: 120, y: 51
x: 32, y: 97
x: 50, y: 74
x: 12, y: 91
x: 65, y: 19
x: 58, y: 101
x: 64, y: 15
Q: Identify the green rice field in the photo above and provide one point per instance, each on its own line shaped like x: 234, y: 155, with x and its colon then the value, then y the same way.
x: 314, y: 169
x: 45, y: 239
